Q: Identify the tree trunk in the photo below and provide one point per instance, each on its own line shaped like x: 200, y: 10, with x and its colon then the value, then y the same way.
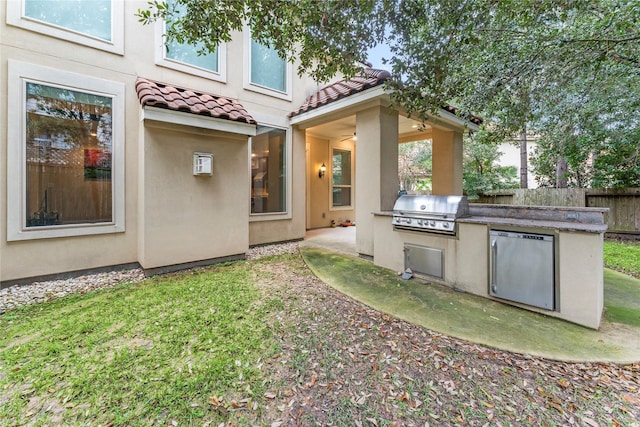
x: 561, y: 173
x: 524, y: 160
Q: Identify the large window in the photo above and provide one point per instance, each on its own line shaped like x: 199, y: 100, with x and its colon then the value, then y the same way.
x: 90, y: 17
x: 265, y: 71
x: 341, y: 178
x: 95, y: 23
x: 184, y: 57
x: 66, y: 148
x: 269, y: 171
x: 267, y: 68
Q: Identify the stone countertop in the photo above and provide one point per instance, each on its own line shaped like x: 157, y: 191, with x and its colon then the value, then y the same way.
x: 587, y: 220
x: 533, y: 223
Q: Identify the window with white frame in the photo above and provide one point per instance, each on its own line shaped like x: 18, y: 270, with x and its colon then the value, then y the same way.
x: 269, y: 171
x: 265, y: 71
x: 95, y: 23
x: 341, y: 178
x: 185, y: 57
x: 65, y: 154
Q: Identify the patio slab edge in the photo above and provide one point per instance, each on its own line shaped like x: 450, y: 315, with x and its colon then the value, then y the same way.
x: 473, y: 318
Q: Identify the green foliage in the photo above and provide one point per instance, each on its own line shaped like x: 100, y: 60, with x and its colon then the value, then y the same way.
x: 415, y: 165
x: 323, y: 37
x: 481, y: 170
x: 567, y: 70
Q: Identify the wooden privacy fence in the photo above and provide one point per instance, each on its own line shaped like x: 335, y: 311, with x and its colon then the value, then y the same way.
x: 623, y: 203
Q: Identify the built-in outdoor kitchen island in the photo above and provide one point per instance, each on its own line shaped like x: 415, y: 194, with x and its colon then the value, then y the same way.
x: 544, y: 259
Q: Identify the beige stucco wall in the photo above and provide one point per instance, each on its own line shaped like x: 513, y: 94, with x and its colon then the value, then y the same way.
x: 320, y: 211
x: 186, y: 218
x: 36, y: 257
x: 581, y: 274
x: 49, y: 256
x: 466, y: 259
x: 389, y: 253
x: 447, y: 162
x: 376, y: 171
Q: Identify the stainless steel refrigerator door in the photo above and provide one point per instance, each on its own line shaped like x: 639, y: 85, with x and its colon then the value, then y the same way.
x: 522, y: 268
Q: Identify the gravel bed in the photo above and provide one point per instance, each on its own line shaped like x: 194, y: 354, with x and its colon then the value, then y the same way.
x: 270, y: 250
x: 39, y: 292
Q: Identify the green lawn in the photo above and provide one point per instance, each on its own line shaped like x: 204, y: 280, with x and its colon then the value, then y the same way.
x: 194, y: 348
x: 143, y: 354
x: 622, y: 256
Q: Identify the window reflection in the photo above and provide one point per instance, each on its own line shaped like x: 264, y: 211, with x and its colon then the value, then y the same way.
x: 268, y: 171
x: 68, y: 156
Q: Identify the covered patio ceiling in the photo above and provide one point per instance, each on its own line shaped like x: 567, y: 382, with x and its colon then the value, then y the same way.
x: 343, y: 128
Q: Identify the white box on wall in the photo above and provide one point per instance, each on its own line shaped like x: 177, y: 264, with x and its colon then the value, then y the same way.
x: 203, y: 164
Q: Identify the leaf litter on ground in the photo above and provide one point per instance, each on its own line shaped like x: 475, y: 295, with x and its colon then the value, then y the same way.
x: 330, y: 360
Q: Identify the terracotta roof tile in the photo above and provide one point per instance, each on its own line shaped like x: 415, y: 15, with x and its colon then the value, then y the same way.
x: 369, y: 78
x: 163, y: 95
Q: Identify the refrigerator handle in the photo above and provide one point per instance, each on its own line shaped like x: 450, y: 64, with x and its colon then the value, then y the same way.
x: 494, y: 256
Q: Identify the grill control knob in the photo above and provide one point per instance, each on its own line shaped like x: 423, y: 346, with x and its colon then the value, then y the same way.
x: 432, y: 223
x: 419, y: 222
x: 445, y: 225
x: 408, y: 220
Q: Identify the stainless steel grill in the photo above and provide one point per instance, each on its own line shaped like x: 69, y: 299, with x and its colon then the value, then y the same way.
x: 435, y: 214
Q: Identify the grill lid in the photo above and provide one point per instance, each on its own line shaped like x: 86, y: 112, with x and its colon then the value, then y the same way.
x: 442, y: 206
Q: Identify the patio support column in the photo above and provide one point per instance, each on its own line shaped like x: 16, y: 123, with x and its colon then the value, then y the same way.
x: 447, y: 162
x: 376, y: 186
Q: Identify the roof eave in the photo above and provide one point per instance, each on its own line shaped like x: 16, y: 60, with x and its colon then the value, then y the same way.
x: 453, y: 120
x: 344, y: 106
x: 198, y: 121
x: 366, y: 99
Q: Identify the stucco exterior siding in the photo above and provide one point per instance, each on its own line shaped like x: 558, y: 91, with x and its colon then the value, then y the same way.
x: 376, y: 170
x: 170, y: 216
x: 186, y: 217
x: 579, y: 268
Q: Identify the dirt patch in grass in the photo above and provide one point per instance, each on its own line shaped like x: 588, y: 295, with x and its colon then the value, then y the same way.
x: 21, y: 340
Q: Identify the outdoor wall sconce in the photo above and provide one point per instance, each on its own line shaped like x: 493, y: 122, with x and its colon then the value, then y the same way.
x: 322, y: 171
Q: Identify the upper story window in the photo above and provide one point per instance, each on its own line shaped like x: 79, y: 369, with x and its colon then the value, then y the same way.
x: 94, y: 23
x: 265, y: 71
x: 184, y: 57
x: 66, y: 154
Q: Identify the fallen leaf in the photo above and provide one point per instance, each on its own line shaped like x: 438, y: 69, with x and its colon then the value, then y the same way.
x: 556, y: 407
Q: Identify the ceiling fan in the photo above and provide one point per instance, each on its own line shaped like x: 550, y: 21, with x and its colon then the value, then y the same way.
x: 352, y: 137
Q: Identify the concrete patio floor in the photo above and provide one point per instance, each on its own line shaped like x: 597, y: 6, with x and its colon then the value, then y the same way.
x: 331, y: 255
x: 339, y: 239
